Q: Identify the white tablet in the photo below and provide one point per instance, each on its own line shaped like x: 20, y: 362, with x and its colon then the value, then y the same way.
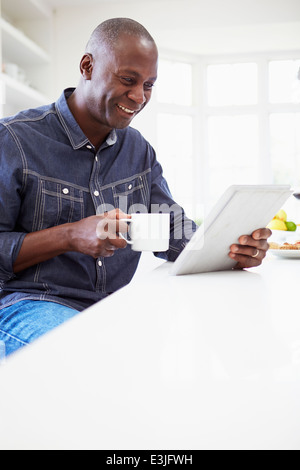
x: 240, y: 211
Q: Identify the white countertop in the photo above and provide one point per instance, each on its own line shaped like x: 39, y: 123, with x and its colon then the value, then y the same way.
x: 208, y: 361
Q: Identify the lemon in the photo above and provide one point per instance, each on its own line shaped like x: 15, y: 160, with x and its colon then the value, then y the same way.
x: 277, y: 224
x: 291, y: 226
x: 281, y: 215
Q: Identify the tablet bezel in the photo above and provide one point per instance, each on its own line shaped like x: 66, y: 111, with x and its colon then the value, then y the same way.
x: 267, y: 200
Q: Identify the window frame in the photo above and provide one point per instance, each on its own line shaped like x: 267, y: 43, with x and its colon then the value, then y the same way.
x: 200, y: 111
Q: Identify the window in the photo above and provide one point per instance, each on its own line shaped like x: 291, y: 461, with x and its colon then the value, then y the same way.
x: 253, y: 111
x: 284, y: 121
x: 233, y: 151
x: 285, y: 148
x: 284, y: 81
x: 174, y: 84
x: 175, y: 146
x: 175, y: 136
x: 217, y: 122
x: 232, y: 126
x: 232, y: 84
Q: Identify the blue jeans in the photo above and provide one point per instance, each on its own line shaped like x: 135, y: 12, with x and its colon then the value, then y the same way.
x: 27, y: 320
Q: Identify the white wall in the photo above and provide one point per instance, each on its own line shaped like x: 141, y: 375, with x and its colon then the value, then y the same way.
x: 193, y: 26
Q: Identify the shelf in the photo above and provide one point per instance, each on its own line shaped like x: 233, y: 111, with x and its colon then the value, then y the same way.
x: 19, y: 48
x: 20, y: 95
x: 26, y: 34
x: 26, y: 10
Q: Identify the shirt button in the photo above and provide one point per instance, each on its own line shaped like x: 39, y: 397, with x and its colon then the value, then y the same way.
x: 65, y: 191
x: 130, y: 186
x: 100, y: 263
x: 96, y: 193
x: 89, y: 147
x: 96, y: 158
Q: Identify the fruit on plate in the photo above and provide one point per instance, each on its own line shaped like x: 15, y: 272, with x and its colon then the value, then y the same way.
x: 277, y: 224
x: 281, y: 215
x: 291, y: 226
x: 280, y: 222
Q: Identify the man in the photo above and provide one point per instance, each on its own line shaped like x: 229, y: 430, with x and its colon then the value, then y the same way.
x: 67, y: 171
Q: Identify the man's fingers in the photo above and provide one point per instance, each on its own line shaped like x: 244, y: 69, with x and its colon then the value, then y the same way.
x: 261, y: 234
x: 245, y: 261
x: 250, y: 249
x: 260, y: 243
x: 110, y: 228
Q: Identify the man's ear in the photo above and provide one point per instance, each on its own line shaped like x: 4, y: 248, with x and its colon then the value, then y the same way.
x: 86, y: 66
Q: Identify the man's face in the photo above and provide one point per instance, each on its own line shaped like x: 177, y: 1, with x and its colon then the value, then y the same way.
x: 121, y: 82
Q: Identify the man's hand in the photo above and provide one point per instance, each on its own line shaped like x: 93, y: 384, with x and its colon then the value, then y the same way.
x: 96, y: 236
x: 251, y: 250
x: 99, y: 235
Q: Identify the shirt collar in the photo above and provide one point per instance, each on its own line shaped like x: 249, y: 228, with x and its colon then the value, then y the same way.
x: 77, y: 138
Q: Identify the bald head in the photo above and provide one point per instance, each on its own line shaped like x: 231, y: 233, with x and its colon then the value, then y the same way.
x: 108, y: 33
x: 118, y: 72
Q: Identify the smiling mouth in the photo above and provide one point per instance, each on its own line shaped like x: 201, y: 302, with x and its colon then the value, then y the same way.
x: 126, y: 110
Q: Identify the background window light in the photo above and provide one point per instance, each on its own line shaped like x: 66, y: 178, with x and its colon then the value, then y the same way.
x: 233, y: 151
x: 174, y: 84
x: 231, y: 145
x: 175, y: 153
x: 285, y: 148
x: 232, y: 84
x: 284, y: 81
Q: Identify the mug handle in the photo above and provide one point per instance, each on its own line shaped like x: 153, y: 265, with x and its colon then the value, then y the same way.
x: 120, y: 234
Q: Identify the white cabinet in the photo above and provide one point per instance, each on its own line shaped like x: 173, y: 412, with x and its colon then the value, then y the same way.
x: 26, y: 77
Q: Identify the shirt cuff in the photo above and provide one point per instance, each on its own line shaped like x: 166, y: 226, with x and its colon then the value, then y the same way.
x: 10, y: 245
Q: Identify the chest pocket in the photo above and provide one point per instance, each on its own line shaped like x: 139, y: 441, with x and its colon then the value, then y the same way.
x: 130, y: 194
x: 57, y: 203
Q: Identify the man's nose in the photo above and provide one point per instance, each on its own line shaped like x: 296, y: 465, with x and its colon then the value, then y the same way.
x: 137, y: 94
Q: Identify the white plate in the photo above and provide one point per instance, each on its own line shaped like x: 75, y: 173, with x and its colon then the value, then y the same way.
x: 295, y: 254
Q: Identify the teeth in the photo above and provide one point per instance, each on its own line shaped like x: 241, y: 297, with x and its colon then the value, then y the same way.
x: 129, y: 111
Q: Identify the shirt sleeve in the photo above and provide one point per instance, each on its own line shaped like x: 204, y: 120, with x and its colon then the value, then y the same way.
x: 11, y: 184
x: 181, y: 227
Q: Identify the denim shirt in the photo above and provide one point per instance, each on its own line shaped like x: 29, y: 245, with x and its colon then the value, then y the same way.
x: 51, y: 175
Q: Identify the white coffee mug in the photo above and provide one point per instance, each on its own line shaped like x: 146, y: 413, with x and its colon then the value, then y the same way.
x: 149, y: 232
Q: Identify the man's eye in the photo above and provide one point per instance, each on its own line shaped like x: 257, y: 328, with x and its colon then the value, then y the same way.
x: 127, y: 80
x: 148, y: 85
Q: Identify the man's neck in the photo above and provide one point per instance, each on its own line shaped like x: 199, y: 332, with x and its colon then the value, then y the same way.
x: 96, y: 133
